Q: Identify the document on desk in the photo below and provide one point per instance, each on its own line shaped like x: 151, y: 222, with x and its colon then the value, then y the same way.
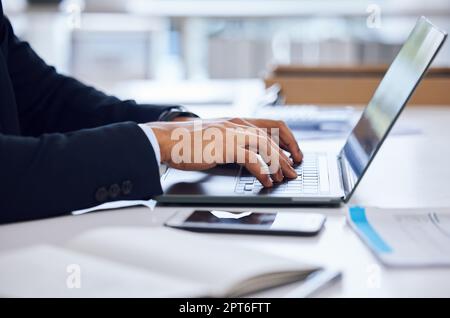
x: 405, y: 237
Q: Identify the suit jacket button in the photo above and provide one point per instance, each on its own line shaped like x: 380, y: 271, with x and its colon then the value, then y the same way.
x: 127, y: 187
x: 114, y: 191
x: 101, y: 195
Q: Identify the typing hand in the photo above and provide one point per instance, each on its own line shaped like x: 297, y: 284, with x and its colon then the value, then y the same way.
x: 287, y: 140
x: 257, y: 144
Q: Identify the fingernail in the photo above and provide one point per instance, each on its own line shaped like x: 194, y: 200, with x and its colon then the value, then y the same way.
x: 294, y: 173
x: 277, y: 177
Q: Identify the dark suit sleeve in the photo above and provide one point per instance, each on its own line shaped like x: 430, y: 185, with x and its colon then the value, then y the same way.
x: 58, y: 173
x: 50, y: 102
x: 77, y: 147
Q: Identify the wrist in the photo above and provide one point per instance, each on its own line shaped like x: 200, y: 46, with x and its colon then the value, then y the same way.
x: 184, y: 118
x: 162, y: 136
x: 175, y: 114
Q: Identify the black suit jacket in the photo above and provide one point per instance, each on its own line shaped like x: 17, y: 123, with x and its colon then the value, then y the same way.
x: 65, y: 146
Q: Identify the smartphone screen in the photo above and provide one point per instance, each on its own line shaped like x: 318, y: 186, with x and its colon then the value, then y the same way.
x: 223, y: 217
x: 249, y: 222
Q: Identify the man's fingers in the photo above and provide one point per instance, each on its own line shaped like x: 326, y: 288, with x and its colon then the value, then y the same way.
x: 278, y: 144
x: 279, y: 164
x: 278, y: 157
x: 264, y: 137
x: 288, y: 140
x: 287, y: 168
x: 256, y: 167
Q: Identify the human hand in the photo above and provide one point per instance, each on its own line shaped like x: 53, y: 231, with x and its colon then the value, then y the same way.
x: 202, y: 144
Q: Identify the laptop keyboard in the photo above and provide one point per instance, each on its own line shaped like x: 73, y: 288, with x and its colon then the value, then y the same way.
x: 307, y: 181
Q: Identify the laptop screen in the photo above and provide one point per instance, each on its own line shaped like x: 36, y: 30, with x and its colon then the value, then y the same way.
x: 389, y: 99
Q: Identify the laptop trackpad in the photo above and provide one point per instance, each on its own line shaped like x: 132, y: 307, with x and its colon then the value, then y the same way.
x: 217, y: 181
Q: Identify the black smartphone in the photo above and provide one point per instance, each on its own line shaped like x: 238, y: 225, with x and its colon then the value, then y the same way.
x: 248, y: 222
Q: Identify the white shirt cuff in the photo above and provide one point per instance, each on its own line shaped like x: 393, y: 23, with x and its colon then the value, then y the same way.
x: 153, y: 141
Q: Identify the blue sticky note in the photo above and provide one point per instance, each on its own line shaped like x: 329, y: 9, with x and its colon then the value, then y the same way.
x: 358, y: 216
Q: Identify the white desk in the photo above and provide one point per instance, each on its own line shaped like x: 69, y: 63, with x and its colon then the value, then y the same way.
x: 409, y: 171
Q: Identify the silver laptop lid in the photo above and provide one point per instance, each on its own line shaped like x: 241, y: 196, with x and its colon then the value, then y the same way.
x: 389, y: 99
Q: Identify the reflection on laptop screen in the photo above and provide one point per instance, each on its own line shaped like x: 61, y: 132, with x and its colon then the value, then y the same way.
x: 391, y: 95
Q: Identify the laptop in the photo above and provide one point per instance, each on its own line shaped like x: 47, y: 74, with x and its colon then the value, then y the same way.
x: 323, y: 178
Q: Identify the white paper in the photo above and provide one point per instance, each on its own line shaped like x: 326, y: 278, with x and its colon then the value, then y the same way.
x: 49, y: 271
x: 117, y: 205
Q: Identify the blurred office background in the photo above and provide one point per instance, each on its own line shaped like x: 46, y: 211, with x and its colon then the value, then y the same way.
x: 105, y: 42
